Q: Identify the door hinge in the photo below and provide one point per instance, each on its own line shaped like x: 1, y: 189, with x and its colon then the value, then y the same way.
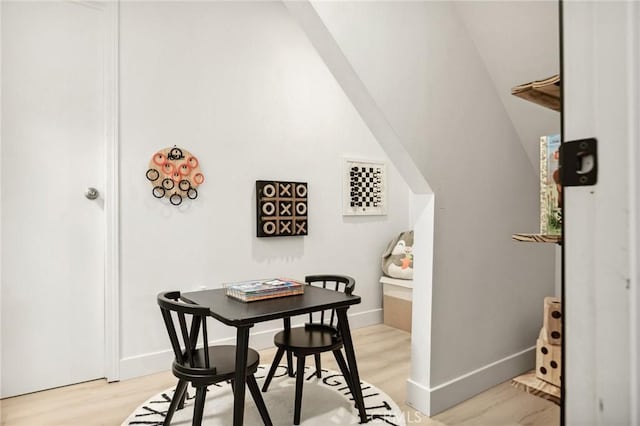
x: 579, y: 162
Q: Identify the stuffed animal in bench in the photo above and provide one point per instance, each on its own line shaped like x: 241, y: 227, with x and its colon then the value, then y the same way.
x: 397, y: 259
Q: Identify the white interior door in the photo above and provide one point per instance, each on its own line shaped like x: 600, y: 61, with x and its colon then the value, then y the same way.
x: 53, y: 134
x: 600, y: 76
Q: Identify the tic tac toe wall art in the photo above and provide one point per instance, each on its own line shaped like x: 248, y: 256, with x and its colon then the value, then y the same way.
x: 175, y: 174
x: 281, y: 208
x: 364, y: 188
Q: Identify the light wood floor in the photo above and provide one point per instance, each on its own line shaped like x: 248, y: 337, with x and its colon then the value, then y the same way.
x: 383, y: 360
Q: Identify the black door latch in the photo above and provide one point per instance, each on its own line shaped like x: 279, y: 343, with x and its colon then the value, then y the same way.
x: 579, y: 162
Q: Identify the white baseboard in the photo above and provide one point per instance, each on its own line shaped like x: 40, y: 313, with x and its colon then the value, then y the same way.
x: 432, y: 401
x: 155, y: 362
x: 418, y: 397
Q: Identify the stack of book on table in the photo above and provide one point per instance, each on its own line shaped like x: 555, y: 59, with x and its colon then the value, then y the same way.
x: 248, y: 291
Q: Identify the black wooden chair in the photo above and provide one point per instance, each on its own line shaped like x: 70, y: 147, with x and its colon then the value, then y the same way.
x: 319, y: 335
x: 201, y: 366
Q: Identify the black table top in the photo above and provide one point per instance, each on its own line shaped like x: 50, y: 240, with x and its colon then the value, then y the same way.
x: 236, y: 313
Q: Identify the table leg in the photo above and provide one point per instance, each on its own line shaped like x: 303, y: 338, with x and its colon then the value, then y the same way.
x: 343, y: 325
x: 242, y: 349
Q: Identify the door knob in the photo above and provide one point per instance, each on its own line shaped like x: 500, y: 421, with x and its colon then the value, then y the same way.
x: 91, y: 193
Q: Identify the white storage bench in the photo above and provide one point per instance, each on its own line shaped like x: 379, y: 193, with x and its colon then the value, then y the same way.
x: 397, y: 302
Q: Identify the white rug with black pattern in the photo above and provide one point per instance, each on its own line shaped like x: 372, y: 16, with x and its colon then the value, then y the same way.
x: 325, y: 401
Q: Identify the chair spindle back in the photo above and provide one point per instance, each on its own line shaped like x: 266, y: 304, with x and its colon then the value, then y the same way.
x: 340, y: 283
x: 184, y: 348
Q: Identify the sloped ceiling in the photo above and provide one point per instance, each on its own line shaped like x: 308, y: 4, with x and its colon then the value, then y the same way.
x: 358, y: 93
x: 518, y: 43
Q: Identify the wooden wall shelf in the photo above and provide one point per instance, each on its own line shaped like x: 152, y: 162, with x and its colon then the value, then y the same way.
x: 537, y: 238
x: 545, y: 93
x: 542, y: 92
x: 531, y: 384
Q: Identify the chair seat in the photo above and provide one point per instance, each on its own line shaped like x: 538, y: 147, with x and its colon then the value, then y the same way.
x: 224, y: 357
x: 313, y: 340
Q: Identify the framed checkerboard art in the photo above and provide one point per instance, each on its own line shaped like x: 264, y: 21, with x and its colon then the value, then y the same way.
x: 364, y: 188
x: 281, y: 208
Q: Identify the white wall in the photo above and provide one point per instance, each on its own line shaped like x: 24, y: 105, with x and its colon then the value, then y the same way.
x: 425, y: 73
x: 518, y: 42
x: 240, y: 86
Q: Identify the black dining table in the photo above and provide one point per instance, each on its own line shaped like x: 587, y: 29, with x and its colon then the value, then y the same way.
x: 243, y: 316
